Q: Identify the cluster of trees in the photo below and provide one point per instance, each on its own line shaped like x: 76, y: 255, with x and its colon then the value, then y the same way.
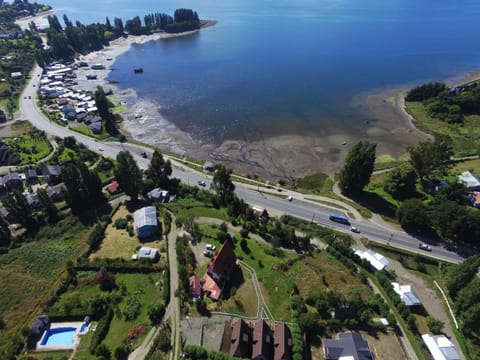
x: 134, y: 181
x: 358, y: 167
x: 65, y: 41
x: 186, y: 264
x: 463, y: 285
x: 196, y: 352
x: 18, y: 8
x: 445, y: 104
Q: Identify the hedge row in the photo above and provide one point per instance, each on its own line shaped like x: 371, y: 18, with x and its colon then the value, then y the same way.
x: 102, y: 329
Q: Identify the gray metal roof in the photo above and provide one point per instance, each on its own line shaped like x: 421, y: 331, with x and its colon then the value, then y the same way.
x: 146, y: 216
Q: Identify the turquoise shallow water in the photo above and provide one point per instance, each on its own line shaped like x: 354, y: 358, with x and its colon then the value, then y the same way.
x: 276, y: 67
x: 60, y: 337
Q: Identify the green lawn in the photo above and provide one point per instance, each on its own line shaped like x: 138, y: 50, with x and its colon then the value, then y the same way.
x: 31, y: 147
x: 466, y: 138
x: 144, y: 287
x: 51, y: 355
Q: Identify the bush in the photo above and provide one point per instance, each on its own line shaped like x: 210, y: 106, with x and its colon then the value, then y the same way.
x: 102, y: 329
x: 121, y: 223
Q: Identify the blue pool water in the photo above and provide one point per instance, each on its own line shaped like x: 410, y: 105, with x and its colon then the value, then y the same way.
x: 63, y: 336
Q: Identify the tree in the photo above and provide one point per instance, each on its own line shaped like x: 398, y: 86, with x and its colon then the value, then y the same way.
x: 358, y: 167
x: 461, y: 274
x: 83, y: 186
x: 412, y: 215
x: 223, y: 185
x: 20, y: 210
x: 5, y: 234
x: 48, y: 205
x: 400, y: 182
x: 128, y: 174
x: 155, y: 313
x: 435, y: 326
x: 159, y: 170
x: 428, y: 157
x: 103, y: 107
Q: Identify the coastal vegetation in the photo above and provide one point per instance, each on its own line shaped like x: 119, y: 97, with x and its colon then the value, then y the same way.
x: 453, y: 112
x: 76, y: 38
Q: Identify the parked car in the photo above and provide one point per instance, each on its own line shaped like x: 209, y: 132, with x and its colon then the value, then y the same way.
x: 210, y: 247
x: 201, y: 183
x: 424, y: 247
x: 207, y: 254
x: 355, y: 229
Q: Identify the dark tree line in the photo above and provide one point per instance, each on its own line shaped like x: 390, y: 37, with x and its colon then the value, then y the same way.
x: 446, y: 104
x: 65, y: 41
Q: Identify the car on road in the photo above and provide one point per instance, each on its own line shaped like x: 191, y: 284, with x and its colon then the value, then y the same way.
x: 208, y: 254
x: 201, y: 183
x: 210, y: 247
x: 29, y: 97
x: 355, y: 229
x: 290, y: 198
x: 424, y: 247
x: 144, y: 154
x: 100, y: 148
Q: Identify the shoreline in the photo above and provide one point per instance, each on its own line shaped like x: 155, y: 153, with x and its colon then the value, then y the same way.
x: 277, y: 157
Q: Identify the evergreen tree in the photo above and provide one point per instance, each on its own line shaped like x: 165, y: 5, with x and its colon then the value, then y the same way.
x: 223, y: 185
x: 5, y: 234
x: 159, y: 170
x: 400, y: 182
x: 20, y: 210
x: 48, y: 205
x: 358, y: 167
x: 128, y: 174
x: 428, y: 157
x: 103, y: 107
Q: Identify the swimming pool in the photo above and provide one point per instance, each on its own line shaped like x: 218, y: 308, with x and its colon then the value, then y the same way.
x: 62, y: 336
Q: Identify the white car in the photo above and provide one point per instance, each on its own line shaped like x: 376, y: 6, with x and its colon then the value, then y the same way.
x: 424, y: 247
x: 100, y: 148
x: 290, y: 198
x: 355, y: 229
x: 210, y: 247
x: 202, y: 183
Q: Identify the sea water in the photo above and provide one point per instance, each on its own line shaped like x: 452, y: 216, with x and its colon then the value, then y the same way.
x: 277, y: 67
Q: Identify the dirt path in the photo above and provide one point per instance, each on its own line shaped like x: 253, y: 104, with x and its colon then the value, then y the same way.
x: 430, y: 301
x: 173, y: 309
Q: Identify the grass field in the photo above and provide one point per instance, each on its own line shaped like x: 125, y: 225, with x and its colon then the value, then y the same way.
x: 31, y: 272
x: 118, y: 243
x: 466, y: 138
x: 31, y: 147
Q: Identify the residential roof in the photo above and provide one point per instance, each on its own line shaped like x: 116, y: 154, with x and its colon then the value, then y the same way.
x: 113, y: 187
x: 469, y: 180
x: 407, y: 294
x: 146, y: 216
x: 55, y: 190
x: 474, y: 198
x: 30, y: 173
x: 210, y: 286
x: 262, y: 341
x: 241, y: 340
x: 282, y: 342
x: 157, y: 194
x: 440, y: 347
x: 146, y: 252
x: 223, y: 263
x: 52, y: 170
x: 378, y: 261
x: 349, y: 345
x: 195, y: 286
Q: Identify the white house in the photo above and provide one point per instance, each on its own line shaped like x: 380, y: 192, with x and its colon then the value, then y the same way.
x: 469, y: 180
x: 146, y: 252
x: 145, y: 221
x: 440, y: 347
x: 378, y: 261
x: 407, y: 294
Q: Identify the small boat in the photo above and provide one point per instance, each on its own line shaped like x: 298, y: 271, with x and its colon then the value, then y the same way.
x: 138, y: 70
x: 91, y: 77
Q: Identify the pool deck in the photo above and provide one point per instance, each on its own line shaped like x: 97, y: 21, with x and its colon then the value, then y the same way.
x: 75, y: 324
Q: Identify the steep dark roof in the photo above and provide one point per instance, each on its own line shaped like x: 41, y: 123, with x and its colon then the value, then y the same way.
x: 223, y: 263
x: 30, y: 174
x: 241, y: 340
x: 283, y: 342
x: 262, y: 341
x: 52, y: 170
x: 347, y: 344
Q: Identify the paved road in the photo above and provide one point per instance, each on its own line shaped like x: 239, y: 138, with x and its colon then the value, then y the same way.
x: 274, y: 204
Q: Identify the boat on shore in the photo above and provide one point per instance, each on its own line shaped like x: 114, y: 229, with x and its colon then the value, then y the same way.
x: 138, y: 70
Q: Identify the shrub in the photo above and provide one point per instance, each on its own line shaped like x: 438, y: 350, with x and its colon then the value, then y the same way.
x: 121, y: 223
x: 102, y: 329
